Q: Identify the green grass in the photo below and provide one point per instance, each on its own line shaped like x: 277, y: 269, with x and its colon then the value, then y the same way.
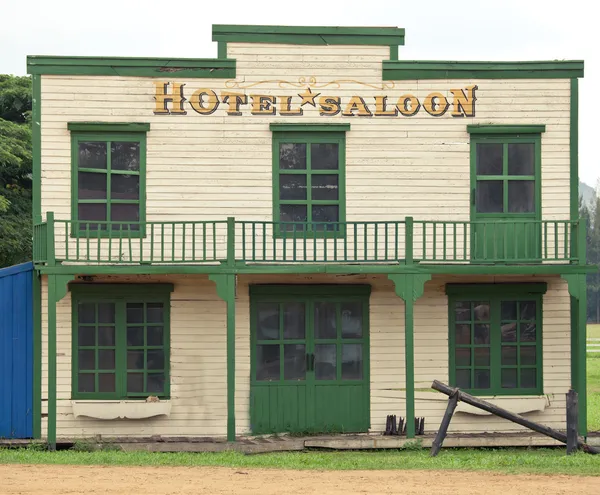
x: 593, y: 331
x: 538, y: 461
x: 593, y: 387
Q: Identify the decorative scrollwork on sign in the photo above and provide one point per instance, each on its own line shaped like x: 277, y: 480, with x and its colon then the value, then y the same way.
x: 304, y: 82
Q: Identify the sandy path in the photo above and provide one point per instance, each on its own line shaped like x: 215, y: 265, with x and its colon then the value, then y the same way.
x: 51, y: 480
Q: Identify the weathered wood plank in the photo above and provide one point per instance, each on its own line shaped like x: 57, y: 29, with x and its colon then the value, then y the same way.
x: 441, y: 434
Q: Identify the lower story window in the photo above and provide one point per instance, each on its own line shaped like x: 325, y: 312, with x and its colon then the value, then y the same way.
x: 496, y: 338
x: 120, y: 341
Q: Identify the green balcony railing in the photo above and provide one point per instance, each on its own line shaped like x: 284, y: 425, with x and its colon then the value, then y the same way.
x: 259, y: 242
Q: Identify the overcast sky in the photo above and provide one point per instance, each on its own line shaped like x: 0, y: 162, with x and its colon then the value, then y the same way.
x: 435, y: 30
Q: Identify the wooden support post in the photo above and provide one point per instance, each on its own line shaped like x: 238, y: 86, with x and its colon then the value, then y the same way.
x: 572, y: 421
x: 515, y: 418
x: 441, y: 434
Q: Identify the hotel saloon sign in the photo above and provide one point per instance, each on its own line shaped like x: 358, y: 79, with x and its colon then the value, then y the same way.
x: 173, y: 98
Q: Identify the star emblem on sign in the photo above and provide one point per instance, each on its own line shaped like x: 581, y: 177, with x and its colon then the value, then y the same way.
x: 308, y: 97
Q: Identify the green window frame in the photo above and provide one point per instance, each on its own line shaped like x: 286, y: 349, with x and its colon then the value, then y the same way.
x: 310, y: 180
x: 509, y: 144
x: 124, y: 191
x: 120, y: 341
x: 495, y: 338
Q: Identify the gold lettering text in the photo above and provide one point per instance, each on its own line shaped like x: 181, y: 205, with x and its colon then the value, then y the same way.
x: 408, y: 105
x: 234, y: 100
x: 286, y: 103
x: 202, y: 105
x: 330, y: 105
x: 263, y: 104
x: 463, y: 104
x: 381, y: 107
x: 163, y: 98
x: 357, y: 104
x: 436, y: 104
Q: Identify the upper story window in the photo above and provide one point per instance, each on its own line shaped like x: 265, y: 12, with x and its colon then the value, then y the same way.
x: 108, y: 179
x: 308, y: 180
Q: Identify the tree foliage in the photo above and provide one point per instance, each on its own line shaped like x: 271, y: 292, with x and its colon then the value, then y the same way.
x: 591, y: 216
x: 15, y: 170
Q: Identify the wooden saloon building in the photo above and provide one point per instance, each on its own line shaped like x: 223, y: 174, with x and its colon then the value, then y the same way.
x: 300, y: 235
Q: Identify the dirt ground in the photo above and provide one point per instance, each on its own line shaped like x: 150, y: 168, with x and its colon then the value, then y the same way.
x: 91, y: 480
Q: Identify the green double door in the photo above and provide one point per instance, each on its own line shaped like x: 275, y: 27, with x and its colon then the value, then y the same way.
x: 309, y: 359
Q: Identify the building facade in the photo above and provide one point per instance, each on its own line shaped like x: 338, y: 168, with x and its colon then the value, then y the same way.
x: 300, y: 235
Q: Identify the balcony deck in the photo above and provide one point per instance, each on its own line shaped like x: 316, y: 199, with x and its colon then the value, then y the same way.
x: 234, y: 243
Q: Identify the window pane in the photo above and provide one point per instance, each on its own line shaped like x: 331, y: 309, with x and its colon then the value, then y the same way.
x: 325, y: 320
x: 91, y: 185
x: 482, y: 334
x: 352, y: 359
x: 489, y: 159
x: 87, y: 360
x: 135, y: 360
x: 324, y: 187
x: 293, y: 213
x: 292, y: 156
x: 509, y: 355
x: 462, y: 357
x: 528, y: 378
x: 294, y: 362
x: 106, y: 312
x: 86, y: 312
x: 86, y: 382
x: 521, y: 158
x: 156, y: 383
x: 135, y: 382
x: 521, y: 196
x: 325, y: 213
x: 92, y: 154
x: 508, y: 332
x: 293, y: 320
x: 135, y: 313
x: 124, y: 186
x: 528, y: 355
x: 482, y: 379
x: 106, y: 336
x: 268, y: 321
x: 87, y: 336
x: 325, y: 362
x: 292, y: 186
x: 508, y: 378
x: 155, y: 335
x: 463, y: 378
x: 125, y: 156
x: 352, y: 319
x: 124, y: 213
x: 106, y: 382
x: 156, y: 359
x: 324, y: 156
x: 154, y: 312
x: 462, y: 311
x: 489, y: 196
x: 527, y: 332
x: 482, y: 356
x: 267, y: 362
x: 462, y: 334
x: 509, y: 310
x: 527, y: 310
x: 91, y: 211
x: 481, y: 310
x: 135, y: 336
x: 106, y: 359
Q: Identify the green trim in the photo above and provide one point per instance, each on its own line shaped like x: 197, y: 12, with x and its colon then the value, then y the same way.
x: 120, y: 295
x: 574, y: 149
x: 37, y: 355
x: 309, y: 35
x: 222, y: 50
x: 473, y: 290
x: 87, y: 134
x: 308, y: 127
x: 492, y: 129
x: 51, y: 322
x: 108, y: 126
x: 393, y: 52
x: 493, y: 294
x: 309, y: 289
x: 36, y: 142
x: 431, y: 69
x: 226, y: 290
x: 132, y: 66
x: 309, y: 138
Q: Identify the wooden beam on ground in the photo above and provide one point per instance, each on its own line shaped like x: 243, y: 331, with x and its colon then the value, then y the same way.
x: 572, y: 421
x: 503, y: 413
x: 441, y: 434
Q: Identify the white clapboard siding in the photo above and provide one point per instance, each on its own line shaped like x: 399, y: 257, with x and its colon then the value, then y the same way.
x: 211, y: 167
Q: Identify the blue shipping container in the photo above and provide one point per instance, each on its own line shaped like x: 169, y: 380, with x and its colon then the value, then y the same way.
x: 16, y: 351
